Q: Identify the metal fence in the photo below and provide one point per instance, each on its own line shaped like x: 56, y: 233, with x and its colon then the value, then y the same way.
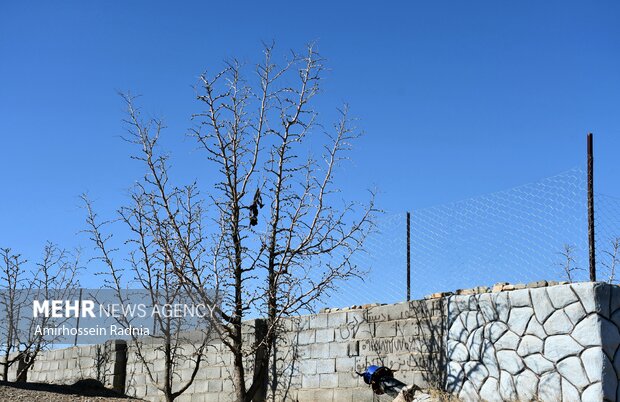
x: 532, y: 232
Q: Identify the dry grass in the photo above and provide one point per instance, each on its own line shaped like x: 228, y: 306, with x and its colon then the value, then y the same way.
x: 441, y: 396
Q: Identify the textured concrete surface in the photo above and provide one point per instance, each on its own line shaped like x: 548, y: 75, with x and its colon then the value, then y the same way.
x: 542, y: 341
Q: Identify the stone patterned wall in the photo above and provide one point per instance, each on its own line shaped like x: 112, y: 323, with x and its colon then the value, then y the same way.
x: 548, y: 344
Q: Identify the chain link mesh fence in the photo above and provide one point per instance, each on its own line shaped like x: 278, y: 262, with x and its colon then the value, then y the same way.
x: 532, y: 232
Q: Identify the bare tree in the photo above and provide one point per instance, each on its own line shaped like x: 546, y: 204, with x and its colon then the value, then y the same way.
x: 54, y: 277
x: 149, y: 269
x: 568, y: 263
x: 281, y: 236
x: 614, y: 255
x: 12, y: 280
x: 281, y: 261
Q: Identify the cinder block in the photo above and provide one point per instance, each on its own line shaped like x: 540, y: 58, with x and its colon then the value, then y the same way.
x: 378, y: 314
x: 139, y: 380
x: 385, y: 329
x: 356, y: 316
x: 227, y: 385
x: 374, y: 360
x: 402, y: 311
x: 310, y: 381
x: 362, y: 394
x: 184, y: 397
x: 436, y: 307
x: 425, y: 345
x: 324, y: 366
x: 212, y: 372
x: 307, y: 366
x: 247, y: 339
x: 203, y: 398
x: 248, y: 327
x: 433, y: 326
x: 36, y: 367
x: 307, y: 337
x: 317, y: 321
x: 152, y: 390
x: 184, y: 364
x: 303, y: 323
x: 214, y: 385
x: 324, y: 395
x: 200, y: 386
x: 349, y: 380
x: 140, y: 391
x: 346, y: 364
x: 365, y: 330
x: 344, y: 395
x: 215, y: 397
x: 337, y: 319
x: 417, y: 377
x: 158, y: 365
x: 211, y: 357
x: 149, y: 355
x: 329, y: 380
x: 185, y: 374
x: 316, y: 351
x: 338, y: 349
x: 197, y: 386
x: 306, y: 395
x: 408, y: 327
x: 324, y: 335
x: 287, y: 324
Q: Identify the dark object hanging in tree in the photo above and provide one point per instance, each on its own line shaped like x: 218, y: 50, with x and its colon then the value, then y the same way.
x: 258, y: 203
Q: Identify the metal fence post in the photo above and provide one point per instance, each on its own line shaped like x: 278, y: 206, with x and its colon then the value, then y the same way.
x: 591, y: 209
x: 408, y: 256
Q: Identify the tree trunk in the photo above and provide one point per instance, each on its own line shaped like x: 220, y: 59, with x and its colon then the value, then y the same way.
x: 23, y: 364
x: 240, y: 394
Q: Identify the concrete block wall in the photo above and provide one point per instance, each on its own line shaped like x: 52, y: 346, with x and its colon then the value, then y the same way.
x: 540, y: 342
x: 105, y: 363
x: 319, y: 355
x: 13, y: 369
x: 213, y: 381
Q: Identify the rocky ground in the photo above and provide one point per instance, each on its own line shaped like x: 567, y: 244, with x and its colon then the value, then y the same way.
x: 411, y: 395
x: 79, y: 392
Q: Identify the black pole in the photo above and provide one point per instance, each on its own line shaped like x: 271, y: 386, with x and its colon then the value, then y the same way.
x: 408, y: 256
x: 591, y: 208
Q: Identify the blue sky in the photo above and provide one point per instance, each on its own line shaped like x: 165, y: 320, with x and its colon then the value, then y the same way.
x: 456, y: 98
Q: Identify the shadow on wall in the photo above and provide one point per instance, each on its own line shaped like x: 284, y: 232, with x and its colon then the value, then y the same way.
x: 284, y: 366
x: 417, y: 351
x: 521, y: 344
x: 536, y: 343
x: 318, y: 356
